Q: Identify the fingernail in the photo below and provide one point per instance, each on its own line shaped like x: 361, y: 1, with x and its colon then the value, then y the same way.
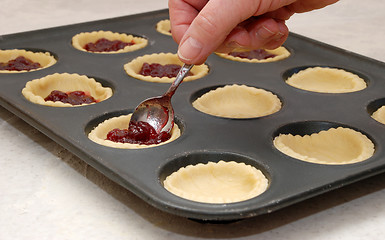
x: 282, y: 28
x: 189, y: 49
x: 282, y: 31
x: 264, y: 32
x: 278, y: 36
x: 233, y: 44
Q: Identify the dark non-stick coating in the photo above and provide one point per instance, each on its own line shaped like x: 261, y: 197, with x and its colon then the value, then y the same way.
x: 204, y: 138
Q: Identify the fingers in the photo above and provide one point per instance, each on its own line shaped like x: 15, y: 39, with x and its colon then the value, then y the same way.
x: 210, y: 28
x: 279, y: 38
x: 201, y: 27
x: 256, y: 33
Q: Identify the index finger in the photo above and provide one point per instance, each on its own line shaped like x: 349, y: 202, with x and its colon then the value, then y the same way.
x: 182, y: 14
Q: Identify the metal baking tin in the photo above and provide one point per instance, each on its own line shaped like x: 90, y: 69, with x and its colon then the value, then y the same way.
x: 204, y: 137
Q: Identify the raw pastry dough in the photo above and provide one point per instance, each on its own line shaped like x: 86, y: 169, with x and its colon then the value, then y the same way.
x: 222, y: 182
x: 280, y: 52
x: 326, y: 80
x: 38, y: 89
x: 45, y: 59
x: 238, y: 101
x: 379, y: 115
x: 81, y: 39
x: 164, y: 27
x: 99, y: 133
x: 133, y: 68
x: 334, y: 146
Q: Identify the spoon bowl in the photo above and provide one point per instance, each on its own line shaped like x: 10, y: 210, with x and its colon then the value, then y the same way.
x: 158, y: 111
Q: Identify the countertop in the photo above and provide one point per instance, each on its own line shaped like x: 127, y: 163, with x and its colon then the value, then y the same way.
x: 48, y: 193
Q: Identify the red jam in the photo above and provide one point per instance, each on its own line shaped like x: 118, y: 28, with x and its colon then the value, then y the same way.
x: 139, y: 133
x: 19, y: 64
x: 159, y: 70
x: 74, y: 98
x: 259, y: 54
x: 105, y: 45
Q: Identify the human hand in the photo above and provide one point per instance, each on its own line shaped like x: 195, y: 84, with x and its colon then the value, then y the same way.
x: 201, y: 27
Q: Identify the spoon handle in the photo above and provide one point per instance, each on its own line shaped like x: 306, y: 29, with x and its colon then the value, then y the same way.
x: 178, y: 80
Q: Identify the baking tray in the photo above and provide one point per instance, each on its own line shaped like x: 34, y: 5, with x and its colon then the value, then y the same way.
x: 204, y: 137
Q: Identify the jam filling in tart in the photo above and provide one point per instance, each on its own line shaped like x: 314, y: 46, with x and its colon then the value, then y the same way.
x: 105, y: 45
x: 259, y: 54
x: 139, y: 133
x: 159, y: 70
x: 73, y: 98
x: 19, y: 64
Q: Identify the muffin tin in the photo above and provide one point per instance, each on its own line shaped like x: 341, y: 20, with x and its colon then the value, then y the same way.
x: 204, y: 138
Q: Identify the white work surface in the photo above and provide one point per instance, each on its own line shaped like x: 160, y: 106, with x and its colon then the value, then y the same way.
x: 48, y: 193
